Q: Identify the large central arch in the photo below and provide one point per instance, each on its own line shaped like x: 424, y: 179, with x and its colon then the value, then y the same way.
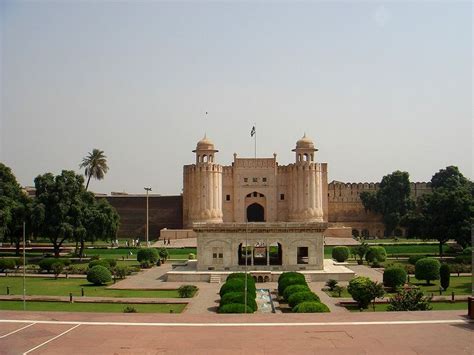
x: 255, y: 213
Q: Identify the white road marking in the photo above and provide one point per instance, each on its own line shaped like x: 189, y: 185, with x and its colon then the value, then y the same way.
x: 294, y: 324
x: 17, y: 330
x: 50, y: 340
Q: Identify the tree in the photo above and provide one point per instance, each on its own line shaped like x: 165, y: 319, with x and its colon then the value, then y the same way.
x: 95, y: 165
x: 360, y: 251
x: 448, y: 213
x: 363, y: 290
x: 15, y: 208
x: 63, y: 210
x: 427, y: 269
x: 391, y: 200
x: 444, y: 274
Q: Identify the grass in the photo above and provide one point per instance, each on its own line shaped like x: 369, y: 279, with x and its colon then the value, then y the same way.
x: 344, y: 293
x: 37, y: 286
x: 460, y: 285
x: 401, y: 250
x: 89, y: 307
x: 437, y: 306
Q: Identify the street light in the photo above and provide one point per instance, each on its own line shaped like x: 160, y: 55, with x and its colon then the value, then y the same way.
x: 147, y: 189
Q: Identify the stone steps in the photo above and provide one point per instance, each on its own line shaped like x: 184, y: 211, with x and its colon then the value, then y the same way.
x: 215, y: 279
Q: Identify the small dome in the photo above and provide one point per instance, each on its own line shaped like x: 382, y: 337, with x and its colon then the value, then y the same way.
x: 305, y: 143
x: 205, y: 144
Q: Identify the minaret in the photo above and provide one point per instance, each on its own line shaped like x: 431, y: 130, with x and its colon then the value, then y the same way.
x: 306, y: 200
x: 205, y: 185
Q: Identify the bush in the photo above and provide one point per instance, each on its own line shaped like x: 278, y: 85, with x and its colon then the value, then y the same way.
x: 467, y: 251
x: 298, y: 297
x: 112, y: 262
x: 101, y: 262
x: 149, y: 255
x: 237, y: 285
x: 239, y: 297
x: 7, y: 264
x: 187, y: 291
x: 288, y: 281
x: 360, y: 290
x: 191, y: 256
x: 311, y: 307
x: 289, y: 274
x: 458, y: 268
x: 331, y: 283
x: 79, y: 269
x: 129, y: 309
x: 427, y: 269
x: 410, y: 269
x: 235, y: 308
x: 293, y: 289
x: 463, y: 259
x: 409, y: 300
x: 444, y: 274
x: 340, y: 253
x: 241, y: 276
x: 122, y: 271
x: 145, y: 264
x: 164, y: 254
x: 46, y: 264
x: 99, y: 275
x: 376, y: 255
x: 394, y: 277
x: 57, y: 268
x: 412, y: 259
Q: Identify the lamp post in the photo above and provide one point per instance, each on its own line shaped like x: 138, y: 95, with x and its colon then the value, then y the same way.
x: 147, y: 189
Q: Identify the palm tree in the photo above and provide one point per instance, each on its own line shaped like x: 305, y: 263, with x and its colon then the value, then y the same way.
x: 95, y: 164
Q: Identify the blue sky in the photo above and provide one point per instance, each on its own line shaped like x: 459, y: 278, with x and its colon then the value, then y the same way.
x: 378, y: 86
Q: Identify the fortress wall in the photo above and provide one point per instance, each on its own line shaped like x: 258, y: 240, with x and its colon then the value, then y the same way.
x: 164, y: 212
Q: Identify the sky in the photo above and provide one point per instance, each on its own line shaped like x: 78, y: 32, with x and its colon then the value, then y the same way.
x: 379, y: 86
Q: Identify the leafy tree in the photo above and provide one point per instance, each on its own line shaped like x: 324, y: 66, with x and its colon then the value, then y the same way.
x: 427, y: 269
x: 15, y: 208
x: 409, y: 300
x: 448, y: 213
x: 392, y: 199
x: 95, y: 165
x: 444, y: 274
x: 360, y: 251
x: 394, y: 277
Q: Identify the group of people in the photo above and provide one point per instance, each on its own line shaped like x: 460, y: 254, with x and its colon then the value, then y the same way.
x: 134, y: 243
x: 167, y: 242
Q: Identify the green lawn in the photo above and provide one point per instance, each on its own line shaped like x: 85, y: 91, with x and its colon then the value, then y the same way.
x: 461, y: 285
x: 90, y: 307
x: 393, y: 249
x: 344, y: 293
x: 437, y: 306
x: 38, y: 286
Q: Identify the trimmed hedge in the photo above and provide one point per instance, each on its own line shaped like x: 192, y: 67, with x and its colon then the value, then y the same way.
x: 427, y: 269
x: 234, y: 308
x: 47, y: 263
x: 239, y: 297
x: 394, y: 277
x: 99, y: 275
x: 293, y: 289
x: 101, y: 262
x: 298, y: 297
x: 311, y: 307
x: 290, y: 281
x: 288, y: 274
x: 340, y: 253
x: 237, y: 285
x: 241, y: 276
x: 412, y: 259
x: 376, y: 254
x: 149, y: 255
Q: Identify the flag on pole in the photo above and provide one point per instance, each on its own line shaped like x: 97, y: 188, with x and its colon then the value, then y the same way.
x: 253, y: 132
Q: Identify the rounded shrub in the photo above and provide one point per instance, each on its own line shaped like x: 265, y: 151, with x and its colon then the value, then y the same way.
x: 467, y: 251
x: 235, y: 308
x: 101, y: 262
x: 293, y: 289
x: 376, y: 254
x: 191, y: 256
x: 310, y: 307
x: 290, y: 281
x: 340, y: 253
x: 427, y: 269
x: 149, y: 255
x: 288, y: 274
x: 394, y: 277
x: 112, y: 262
x: 241, y: 276
x: 99, y: 275
x: 187, y: 291
x: 444, y: 275
x: 237, y: 285
x: 122, y: 271
x: 46, y: 264
x: 7, y: 264
x: 298, y: 297
x: 239, y: 297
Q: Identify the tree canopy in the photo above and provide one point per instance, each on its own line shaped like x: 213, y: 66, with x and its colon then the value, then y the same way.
x: 95, y: 165
x: 391, y: 200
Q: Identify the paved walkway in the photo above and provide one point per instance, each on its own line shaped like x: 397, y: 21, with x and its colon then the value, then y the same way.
x: 363, y: 270
x: 96, y: 299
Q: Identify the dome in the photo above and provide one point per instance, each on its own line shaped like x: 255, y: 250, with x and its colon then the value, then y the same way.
x: 305, y: 143
x: 205, y: 144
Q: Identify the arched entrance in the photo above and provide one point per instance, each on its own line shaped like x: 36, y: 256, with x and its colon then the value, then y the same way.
x: 255, y: 213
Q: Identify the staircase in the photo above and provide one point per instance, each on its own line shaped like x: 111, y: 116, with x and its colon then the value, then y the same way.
x: 308, y: 278
x: 215, y: 279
